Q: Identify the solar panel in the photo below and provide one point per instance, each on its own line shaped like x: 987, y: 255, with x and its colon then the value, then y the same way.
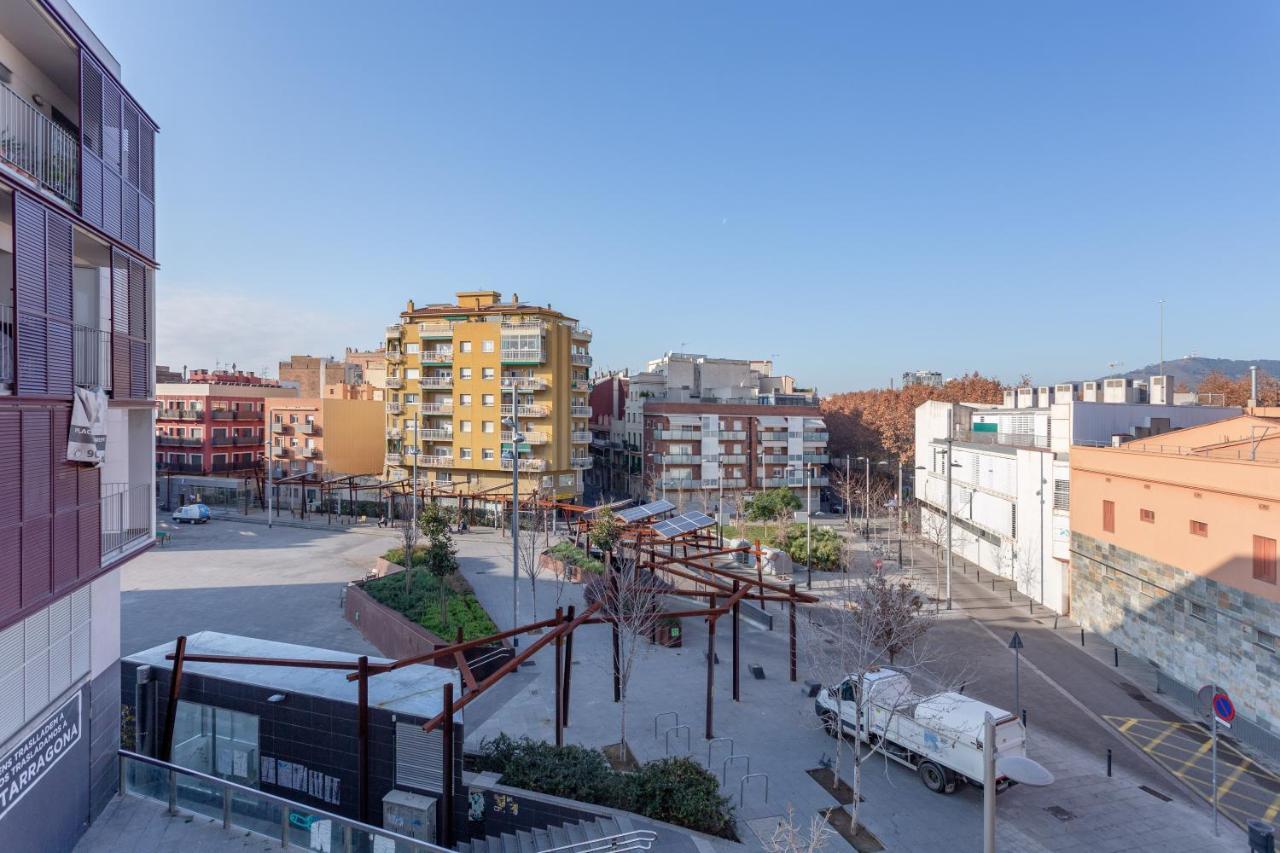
x: 682, y: 524
x: 639, y: 513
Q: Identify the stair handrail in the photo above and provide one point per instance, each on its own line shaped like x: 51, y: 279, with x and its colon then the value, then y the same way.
x: 636, y: 839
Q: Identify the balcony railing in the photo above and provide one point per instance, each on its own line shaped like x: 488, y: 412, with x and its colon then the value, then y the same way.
x: 169, y: 414
x: 435, y: 330
x: 394, y: 331
x: 246, y: 439
x: 526, y: 464
x: 529, y: 437
x: 394, y: 433
x: 523, y: 356
x: 580, y: 437
x: 680, y: 483
x: 1003, y: 439
x: 444, y: 408
x: 581, y: 462
x: 436, y: 460
x: 180, y: 467
x: 394, y: 356
x: 228, y: 467
x: 179, y: 440
x: 436, y: 434
x: 126, y: 516
x: 437, y: 383
x: 437, y: 356
x: 528, y: 410
x: 581, y: 359
x: 795, y: 482
x: 310, y: 453
x: 237, y: 415
x: 679, y: 459
x: 92, y: 354
x: 580, y: 411
x: 522, y: 327
x: 393, y: 407
x: 280, y: 452
x: 733, y: 435
x: 524, y: 383
x: 677, y: 435
x: 279, y: 429
x: 308, y: 428
x: 731, y: 458
x: 393, y: 459
x: 245, y: 812
x: 815, y: 437
x: 773, y: 437
x: 582, y: 333
x: 35, y: 146
x: 395, y: 382
x: 580, y: 385
x: 6, y: 344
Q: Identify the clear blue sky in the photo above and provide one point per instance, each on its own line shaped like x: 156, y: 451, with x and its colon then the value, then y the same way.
x: 860, y: 187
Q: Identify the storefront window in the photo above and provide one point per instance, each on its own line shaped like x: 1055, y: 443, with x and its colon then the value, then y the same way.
x: 217, y: 741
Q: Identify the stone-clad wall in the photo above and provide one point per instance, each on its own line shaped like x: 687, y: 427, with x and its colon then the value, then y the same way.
x: 1146, y: 608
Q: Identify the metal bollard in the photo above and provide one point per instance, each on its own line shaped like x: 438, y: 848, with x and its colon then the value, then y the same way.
x: 1116, y: 655
x: 1108, y: 762
x: 1011, y: 595
x: 1024, y: 718
x: 1082, y: 636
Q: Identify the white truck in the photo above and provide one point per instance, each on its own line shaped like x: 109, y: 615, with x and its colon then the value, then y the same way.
x: 938, y: 736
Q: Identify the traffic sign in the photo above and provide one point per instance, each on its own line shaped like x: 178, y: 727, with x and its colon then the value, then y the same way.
x: 1224, y: 709
x: 1015, y: 642
x: 1204, y: 699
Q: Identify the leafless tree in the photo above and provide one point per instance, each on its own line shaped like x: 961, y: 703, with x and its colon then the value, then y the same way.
x: 868, y: 621
x: 533, y: 541
x: 631, y: 602
x: 790, y: 837
x: 408, y: 541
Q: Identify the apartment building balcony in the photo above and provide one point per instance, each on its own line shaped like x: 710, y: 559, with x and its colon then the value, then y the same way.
x: 170, y: 414
x: 730, y: 458
x: 435, y: 330
x: 394, y: 356
x: 773, y: 438
x: 732, y: 435
x: 580, y: 437
x: 216, y: 441
x: 528, y: 410
x: 393, y: 459
x: 444, y: 408
x: 395, y: 382
x: 524, y: 383
x: 679, y: 483
x: 432, y: 383
x: 91, y: 351
x: 725, y: 482
x: 394, y: 332
x: 280, y: 452
x: 580, y: 385
x: 581, y: 333
x: 526, y: 464
x: 581, y: 359
x: 126, y: 516
x: 816, y: 458
x: 243, y: 440
x: 435, y: 434
x: 679, y: 459
x: 166, y: 467
x: 529, y: 437
x: 436, y: 356
x: 677, y: 435
x: 237, y: 415
x: 523, y: 355
x: 6, y: 348
x: 228, y: 467
x: 394, y: 434
x: 795, y: 482
x: 815, y: 437
x: 280, y: 429
x: 522, y: 327
x: 308, y: 428
x: 436, y: 460
x: 580, y: 411
x: 178, y: 441
x: 394, y: 407
x: 310, y: 453
x: 37, y: 149
x: 581, y: 462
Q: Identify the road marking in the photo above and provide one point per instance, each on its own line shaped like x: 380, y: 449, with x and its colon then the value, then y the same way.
x: 1159, y: 739
x: 1128, y: 724
x: 1231, y: 780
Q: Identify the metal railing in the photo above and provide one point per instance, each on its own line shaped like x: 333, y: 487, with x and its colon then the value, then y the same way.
x: 1244, y: 451
x: 395, y: 382
x: 527, y: 410
x: 167, y: 413
x: 435, y: 330
x: 436, y: 408
x: 678, y: 459
x: 183, y: 440
x: 677, y: 435
x: 237, y: 414
x: 91, y: 352
x: 621, y: 842
x: 529, y: 437
x: 393, y: 407
x: 393, y: 459
x: 528, y: 383
x: 435, y: 434
x: 244, y: 809
x: 6, y: 344
x: 435, y: 460
x: 580, y: 411
x: 436, y: 356
x: 126, y: 515
x: 430, y: 382
x: 1002, y: 439
x: 581, y: 462
x: 581, y: 359
x: 33, y: 144
x: 536, y: 356
x: 580, y: 436
x: 526, y: 464
x: 395, y: 330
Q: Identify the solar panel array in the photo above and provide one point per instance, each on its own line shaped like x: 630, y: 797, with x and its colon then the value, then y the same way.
x: 649, y: 510
x: 683, y: 524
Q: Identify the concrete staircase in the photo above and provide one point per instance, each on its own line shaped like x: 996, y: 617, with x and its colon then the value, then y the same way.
x: 580, y: 837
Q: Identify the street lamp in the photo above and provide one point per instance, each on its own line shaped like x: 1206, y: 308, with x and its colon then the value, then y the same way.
x: 808, y: 523
x: 513, y: 423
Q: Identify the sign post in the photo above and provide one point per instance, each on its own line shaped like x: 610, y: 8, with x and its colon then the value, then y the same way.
x: 1015, y: 643
x: 1221, y: 712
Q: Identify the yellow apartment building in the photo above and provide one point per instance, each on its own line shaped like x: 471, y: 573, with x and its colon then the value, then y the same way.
x: 454, y: 374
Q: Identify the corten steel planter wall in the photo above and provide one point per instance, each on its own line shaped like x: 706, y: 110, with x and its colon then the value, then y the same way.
x: 397, y: 636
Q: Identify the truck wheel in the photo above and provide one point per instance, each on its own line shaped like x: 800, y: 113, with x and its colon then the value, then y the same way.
x: 830, y: 725
x: 935, y: 778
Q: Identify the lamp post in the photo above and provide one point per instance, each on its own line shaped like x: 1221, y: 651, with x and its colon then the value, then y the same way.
x: 848, y: 507
x: 950, y: 445
x: 514, y: 423
x: 808, y: 528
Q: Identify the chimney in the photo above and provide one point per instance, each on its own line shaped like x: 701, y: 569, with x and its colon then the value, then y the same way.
x: 1253, y: 386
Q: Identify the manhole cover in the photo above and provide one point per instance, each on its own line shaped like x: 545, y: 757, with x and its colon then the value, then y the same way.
x: 1059, y: 812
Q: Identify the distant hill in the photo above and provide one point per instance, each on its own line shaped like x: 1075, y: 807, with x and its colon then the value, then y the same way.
x: 1195, y: 368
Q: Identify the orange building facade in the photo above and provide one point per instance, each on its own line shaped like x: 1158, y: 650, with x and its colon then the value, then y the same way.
x: 1174, y: 555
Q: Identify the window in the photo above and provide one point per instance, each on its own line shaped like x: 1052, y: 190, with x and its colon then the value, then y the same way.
x: 464, y: 373
x: 1147, y: 515
x: 486, y: 373
x: 293, y: 419
x: 486, y: 399
x: 411, y: 398
x: 1199, y: 528
x: 411, y: 348
x: 465, y: 426
x: 487, y: 453
x: 464, y: 399
x: 1268, y: 641
x: 486, y: 346
x: 464, y: 453
x: 487, y: 426
x: 1264, y: 559
x: 1109, y: 516
x: 411, y: 373
x: 1062, y: 495
x: 464, y: 346
x: 1198, y: 611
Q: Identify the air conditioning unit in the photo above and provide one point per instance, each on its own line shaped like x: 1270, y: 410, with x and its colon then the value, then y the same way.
x: 1161, y: 390
x: 1092, y: 392
x: 1065, y: 392
x: 1119, y: 391
x: 1027, y: 398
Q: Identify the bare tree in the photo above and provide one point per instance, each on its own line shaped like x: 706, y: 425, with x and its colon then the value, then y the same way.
x: 408, y: 541
x: 790, y: 837
x: 631, y: 602
x: 532, y: 543
x: 868, y: 622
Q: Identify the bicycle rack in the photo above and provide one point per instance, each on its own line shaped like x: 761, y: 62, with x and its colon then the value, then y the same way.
x: 729, y: 759
x: 688, y: 743
x: 714, y: 741
x: 657, y: 717
x: 742, y: 784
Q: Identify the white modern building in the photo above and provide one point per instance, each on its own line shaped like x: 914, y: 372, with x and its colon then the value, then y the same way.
x: 1011, y: 490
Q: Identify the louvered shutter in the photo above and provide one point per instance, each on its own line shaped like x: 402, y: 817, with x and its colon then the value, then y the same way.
x: 60, y: 344
x: 419, y: 756
x: 91, y: 141
x: 120, y: 383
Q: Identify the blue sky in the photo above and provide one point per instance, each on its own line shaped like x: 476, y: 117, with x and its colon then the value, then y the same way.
x: 861, y: 188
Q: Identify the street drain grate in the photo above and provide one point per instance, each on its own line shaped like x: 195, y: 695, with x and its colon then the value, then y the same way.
x: 1059, y: 812
x: 1153, y: 792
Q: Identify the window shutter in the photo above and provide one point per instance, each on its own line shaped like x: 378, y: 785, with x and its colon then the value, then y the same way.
x: 1264, y: 559
x: 1109, y: 516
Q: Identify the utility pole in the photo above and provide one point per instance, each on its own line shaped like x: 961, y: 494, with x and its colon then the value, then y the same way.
x: 950, y: 446
x: 866, y: 502
x: 848, y: 507
x: 808, y: 528
x: 270, y: 486
x: 515, y: 513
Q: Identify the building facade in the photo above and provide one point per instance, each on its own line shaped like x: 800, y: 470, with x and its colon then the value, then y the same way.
x: 311, y: 373
x: 214, y: 423
x: 454, y: 373
x: 1011, y: 487
x: 326, y: 436
x: 77, y: 311
x: 608, y: 399
x: 371, y: 369
x: 929, y: 378
x: 1174, y: 558
x: 703, y: 427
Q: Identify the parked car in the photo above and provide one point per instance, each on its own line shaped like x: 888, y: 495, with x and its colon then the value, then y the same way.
x: 192, y: 513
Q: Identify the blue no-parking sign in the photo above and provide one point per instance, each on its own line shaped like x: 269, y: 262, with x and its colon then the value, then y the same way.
x: 1223, y: 708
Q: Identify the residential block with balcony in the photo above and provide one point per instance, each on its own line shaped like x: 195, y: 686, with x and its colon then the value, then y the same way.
x: 472, y: 364
x: 214, y: 423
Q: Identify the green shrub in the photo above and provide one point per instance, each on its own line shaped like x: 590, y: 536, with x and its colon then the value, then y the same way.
x: 575, y: 556
x: 675, y: 790
x: 421, y: 602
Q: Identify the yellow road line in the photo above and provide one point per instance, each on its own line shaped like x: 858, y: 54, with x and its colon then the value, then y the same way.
x: 1128, y: 724
x: 1231, y: 780
x: 1158, y: 739
x: 1272, y: 812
